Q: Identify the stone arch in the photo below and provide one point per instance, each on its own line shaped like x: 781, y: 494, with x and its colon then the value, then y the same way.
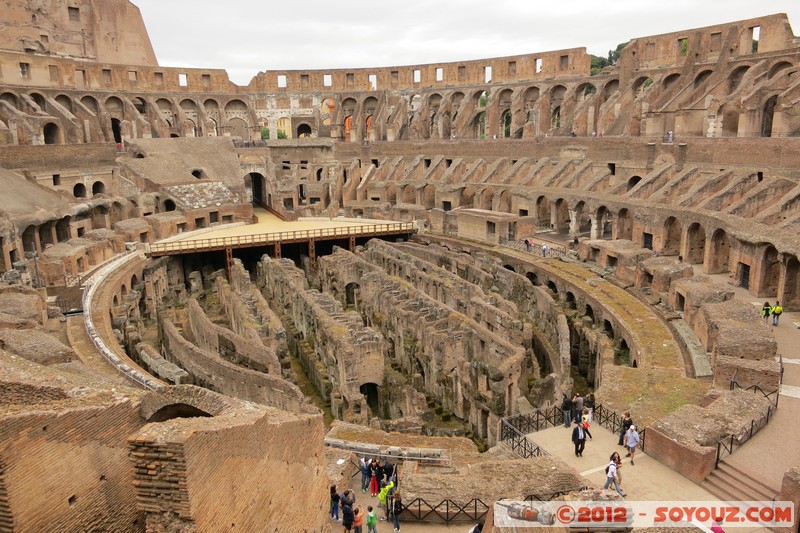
x: 569, y: 300
x: 633, y: 182
x: 670, y: 80
x: 505, y: 124
x: 62, y: 229
x: 791, y: 285
x: 169, y: 205
x: 552, y: 286
x: 177, y: 410
x: 351, y: 293
x: 641, y: 85
x: 562, y: 214
x: 504, y: 202
x: 65, y: 102
x: 730, y: 121
x: 735, y: 77
x: 46, y: 234
x: 11, y: 99
x: 409, y: 195
x: 584, y: 90
x: 777, y: 67
x: 768, y: 112
x: 52, y: 133
x: 695, y: 244
x: 624, y: 225
x: 604, y: 223
x: 671, y: 243
x: 304, y: 130
x: 543, y: 210
x: 533, y: 278
x: 29, y: 239
x: 40, y: 100
x: 258, y: 184
x: 479, y: 126
x: 609, y: 89
x: 770, y: 272
x: 702, y: 77
x: 485, y: 198
x: 91, y: 104
x: 79, y: 190
x: 239, y: 128
x: 530, y: 97
x: 140, y: 104
x: 719, y: 253
x: 588, y: 310
x: 429, y: 196
x: 98, y: 187
x: 114, y: 107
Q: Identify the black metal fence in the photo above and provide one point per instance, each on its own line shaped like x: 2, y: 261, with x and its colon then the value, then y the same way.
x: 612, y: 421
x: 446, y: 510
x: 553, y: 250
x: 518, y: 442
x: 726, y: 446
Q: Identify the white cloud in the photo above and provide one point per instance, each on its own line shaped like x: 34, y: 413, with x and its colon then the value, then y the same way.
x: 248, y: 36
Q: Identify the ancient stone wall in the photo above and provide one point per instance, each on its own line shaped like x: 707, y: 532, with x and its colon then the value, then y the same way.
x: 263, y: 457
x: 219, y: 375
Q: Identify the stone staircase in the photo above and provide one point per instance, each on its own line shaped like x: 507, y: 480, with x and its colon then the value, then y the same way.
x: 729, y: 483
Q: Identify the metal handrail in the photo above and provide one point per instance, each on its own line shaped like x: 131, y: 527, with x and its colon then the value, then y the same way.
x: 727, y: 445
x: 446, y: 510
x: 277, y: 236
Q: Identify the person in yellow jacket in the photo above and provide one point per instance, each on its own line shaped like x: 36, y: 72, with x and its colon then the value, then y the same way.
x: 383, y: 497
x: 776, y: 311
x: 766, y: 310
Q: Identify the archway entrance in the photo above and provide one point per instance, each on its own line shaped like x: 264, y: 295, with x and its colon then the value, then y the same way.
x: 116, y: 130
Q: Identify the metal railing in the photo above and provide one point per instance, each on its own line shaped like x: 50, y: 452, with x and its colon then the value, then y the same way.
x: 612, y: 421
x: 277, y: 237
x: 446, y: 510
x: 553, y: 250
x: 518, y: 442
x: 727, y: 445
x: 537, y: 420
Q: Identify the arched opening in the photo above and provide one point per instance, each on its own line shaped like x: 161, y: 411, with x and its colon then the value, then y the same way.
x: 258, y: 188
x: 633, y: 182
x: 791, y: 287
x: 768, y: 115
x: 370, y: 392
x: 696, y: 245
x: 719, y: 255
x: 509, y: 267
x: 533, y: 278
x: 505, y: 120
x: 622, y: 357
x: 588, y: 311
x: 91, y: 104
x: 79, y: 190
x: 770, y: 272
x: 29, y: 239
x: 11, y: 99
x: 608, y: 329
x: 46, y: 234
x: 52, y: 135
x: 570, y: 301
x: 351, y: 291
x: 735, y: 77
x: 169, y: 205
x: 479, y: 126
x: 552, y: 287
x: 177, y: 410
x: 62, y: 229
x: 672, y: 237
x: 543, y: 211
x: 701, y: 78
x: 555, y: 121
x: 303, y: 130
x: 116, y: 130
x: 197, y: 173
x: 670, y: 80
x: 624, y: 225
x: 98, y: 187
x: 730, y: 122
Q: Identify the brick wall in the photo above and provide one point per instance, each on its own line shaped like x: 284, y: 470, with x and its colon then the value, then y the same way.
x: 68, y: 470
x: 694, y: 463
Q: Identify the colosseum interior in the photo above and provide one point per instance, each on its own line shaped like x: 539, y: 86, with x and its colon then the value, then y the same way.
x: 212, y: 293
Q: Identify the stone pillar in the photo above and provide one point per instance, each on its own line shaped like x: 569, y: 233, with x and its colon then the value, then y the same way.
x: 574, y: 222
x: 595, y: 232
x: 790, y: 491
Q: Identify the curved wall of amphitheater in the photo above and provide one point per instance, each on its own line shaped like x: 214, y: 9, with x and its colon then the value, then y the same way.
x: 676, y: 164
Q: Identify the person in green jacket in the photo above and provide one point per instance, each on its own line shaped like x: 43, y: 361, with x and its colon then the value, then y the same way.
x: 777, y: 311
x: 372, y: 520
x: 383, y: 497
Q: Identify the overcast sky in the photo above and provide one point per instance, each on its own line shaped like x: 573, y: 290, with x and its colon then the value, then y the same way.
x: 248, y: 36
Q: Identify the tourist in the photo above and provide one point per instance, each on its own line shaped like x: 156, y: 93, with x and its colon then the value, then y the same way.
x: 632, y: 440
x: 347, y: 517
x: 388, y: 469
x: 372, y: 520
x: 579, y: 439
x: 397, y: 508
x: 381, y: 473
x: 365, y: 475
x: 383, y: 499
x: 544, y: 250
x: 626, y: 423
x: 766, y: 310
x: 777, y: 311
x: 527, y: 245
x: 585, y: 421
x: 374, y: 488
x: 611, y: 476
x: 588, y: 403
x: 566, y: 408
x: 577, y: 405
x: 617, y: 461
x: 334, y: 503
x: 358, y: 519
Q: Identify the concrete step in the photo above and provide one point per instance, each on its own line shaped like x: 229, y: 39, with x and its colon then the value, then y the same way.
x: 730, y: 483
